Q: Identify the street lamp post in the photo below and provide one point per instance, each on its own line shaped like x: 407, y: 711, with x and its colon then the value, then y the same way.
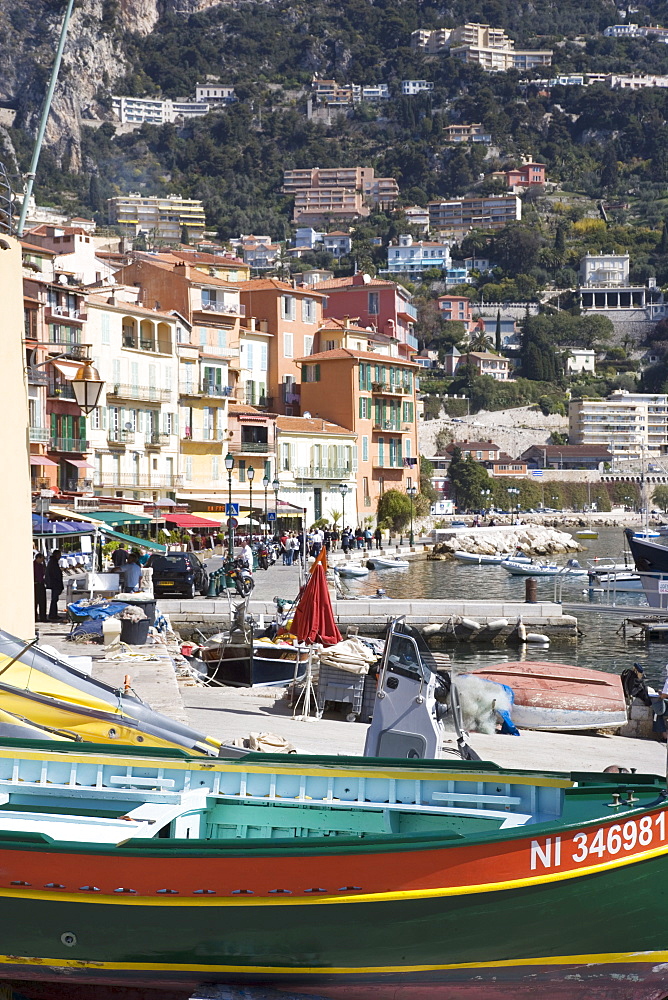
x: 265, y: 483
x: 275, y: 487
x: 250, y: 472
x: 343, y: 490
x: 485, y: 494
x: 229, y: 465
x: 412, y: 492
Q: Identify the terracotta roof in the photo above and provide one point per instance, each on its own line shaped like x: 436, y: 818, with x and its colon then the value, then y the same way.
x: 238, y: 408
x: 335, y: 283
x: 42, y: 230
x: 123, y: 306
x: 344, y: 352
x: 311, y: 425
x: 473, y: 446
x: 505, y: 458
x: 568, y: 450
x: 484, y: 356
x: 214, y: 259
x: 262, y: 284
x: 191, y: 273
x: 338, y: 233
x: 38, y: 249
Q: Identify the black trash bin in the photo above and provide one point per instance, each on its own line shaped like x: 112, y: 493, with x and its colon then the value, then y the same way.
x: 134, y: 633
x: 148, y: 607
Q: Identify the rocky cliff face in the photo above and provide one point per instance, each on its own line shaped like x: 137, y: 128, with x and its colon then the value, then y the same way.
x: 92, y: 61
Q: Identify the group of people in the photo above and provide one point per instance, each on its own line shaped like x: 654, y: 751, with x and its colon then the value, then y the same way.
x: 48, y: 575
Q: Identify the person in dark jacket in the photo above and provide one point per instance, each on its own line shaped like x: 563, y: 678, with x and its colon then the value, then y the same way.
x: 53, y: 579
x: 38, y: 574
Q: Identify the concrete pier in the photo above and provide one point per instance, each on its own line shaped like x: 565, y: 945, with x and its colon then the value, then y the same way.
x: 371, y: 615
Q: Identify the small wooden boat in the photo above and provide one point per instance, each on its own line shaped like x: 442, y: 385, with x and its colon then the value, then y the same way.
x: 157, y: 875
x: 352, y: 570
x: 253, y: 664
x: 559, y: 698
x: 387, y: 562
x: 587, y: 533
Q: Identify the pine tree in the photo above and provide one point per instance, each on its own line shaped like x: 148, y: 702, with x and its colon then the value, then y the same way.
x: 185, y: 235
x: 94, y: 193
x: 663, y: 242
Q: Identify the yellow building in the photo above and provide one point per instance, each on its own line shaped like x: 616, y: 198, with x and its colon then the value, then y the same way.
x: 16, y: 584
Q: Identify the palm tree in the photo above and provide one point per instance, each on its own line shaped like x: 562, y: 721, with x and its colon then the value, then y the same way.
x: 481, y: 341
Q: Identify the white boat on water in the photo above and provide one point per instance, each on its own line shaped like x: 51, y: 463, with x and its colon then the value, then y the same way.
x: 387, y: 562
x: 516, y: 568
x: 621, y: 583
x: 495, y: 560
x: 356, y: 570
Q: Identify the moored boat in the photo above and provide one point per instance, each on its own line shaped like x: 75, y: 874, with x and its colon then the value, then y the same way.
x: 587, y: 533
x: 480, y: 560
x: 256, y: 663
x: 560, y: 698
x: 351, y: 570
x: 387, y: 562
x: 651, y: 561
x: 516, y: 568
x: 336, y: 877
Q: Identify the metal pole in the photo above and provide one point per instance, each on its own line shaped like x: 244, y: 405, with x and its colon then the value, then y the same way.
x: 265, y: 516
x: 250, y: 513
x: 230, y: 529
x: 30, y: 176
x: 411, y: 539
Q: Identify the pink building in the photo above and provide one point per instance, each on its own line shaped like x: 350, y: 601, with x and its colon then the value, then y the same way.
x: 528, y: 175
x: 384, y: 305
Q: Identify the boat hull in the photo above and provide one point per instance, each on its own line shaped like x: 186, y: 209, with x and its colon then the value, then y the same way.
x: 463, y: 946
x: 263, y: 666
x: 388, y: 564
x: 480, y: 560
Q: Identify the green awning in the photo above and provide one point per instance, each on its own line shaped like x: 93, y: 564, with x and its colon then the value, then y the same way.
x: 114, y: 517
x: 141, y: 543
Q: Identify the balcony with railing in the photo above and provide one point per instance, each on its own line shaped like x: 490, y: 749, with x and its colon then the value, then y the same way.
x: 158, y: 439
x: 137, y: 481
x: 148, y: 393
x: 388, y: 389
x: 202, y: 434
x: 387, y: 425
x: 39, y: 435
x: 119, y: 438
x: 250, y: 447
x: 407, y: 310
x: 69, y: 444
x: 320, y: 472
x: 224, y: 308
x: 52, y: 312
x: 216, y: 391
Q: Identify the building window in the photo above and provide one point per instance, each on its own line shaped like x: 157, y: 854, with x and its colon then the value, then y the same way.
x: 308, y: 310
x: 263, y: 357
x: 215, y: 468
x: 365, y: 408
x: 308, y: 345
x: 288, y: 350
x: 288, y: 308
x: 365, y: 448
x: 285, y: 457
x: 374, y: 303
x: 242, y: 470
x: 310, y: 373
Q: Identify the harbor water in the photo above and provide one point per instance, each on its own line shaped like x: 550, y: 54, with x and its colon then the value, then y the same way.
x: 601, y: 645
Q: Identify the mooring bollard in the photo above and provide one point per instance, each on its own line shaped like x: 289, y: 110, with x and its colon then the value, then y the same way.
x: 213, y: 584
x: 530, y: 590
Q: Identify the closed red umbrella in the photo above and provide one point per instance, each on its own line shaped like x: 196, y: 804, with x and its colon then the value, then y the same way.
x: 313, y: 619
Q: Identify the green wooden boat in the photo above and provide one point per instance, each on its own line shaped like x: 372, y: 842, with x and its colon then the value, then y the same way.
x: 160, y: 872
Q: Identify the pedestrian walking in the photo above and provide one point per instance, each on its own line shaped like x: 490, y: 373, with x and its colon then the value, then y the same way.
x: 38, y: 574
x: 378, y: 535
x: 53, y: 579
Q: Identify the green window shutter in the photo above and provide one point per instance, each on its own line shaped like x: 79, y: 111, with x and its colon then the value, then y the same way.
x: 410, y: 413
x: 317, y: 374
x: 361, y: 408
x: 360, y: 373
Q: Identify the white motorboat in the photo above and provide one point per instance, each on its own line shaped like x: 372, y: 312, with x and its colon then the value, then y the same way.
x: 387, y: 562
x: 516, y: 568
x: 352, y: 570
x: 621, y: 583
x: 495, y: 560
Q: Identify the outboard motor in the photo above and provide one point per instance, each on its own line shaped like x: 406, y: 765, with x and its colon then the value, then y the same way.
x: 409, y: 701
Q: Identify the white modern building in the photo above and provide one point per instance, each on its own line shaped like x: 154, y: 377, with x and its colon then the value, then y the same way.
x: 411, y: 87
x: 214, y: 93
x: 630, y: 424
x: 580, y: 361
x: 409, y: 257
x: 154, y: 111
x: 605, y: 289
x: 337, y: 243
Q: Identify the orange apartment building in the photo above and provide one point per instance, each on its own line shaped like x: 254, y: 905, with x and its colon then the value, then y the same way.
x: 292, y: 317
x: 373, y: 395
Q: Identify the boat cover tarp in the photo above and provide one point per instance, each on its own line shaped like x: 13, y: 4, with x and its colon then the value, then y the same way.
x: 313, y: 619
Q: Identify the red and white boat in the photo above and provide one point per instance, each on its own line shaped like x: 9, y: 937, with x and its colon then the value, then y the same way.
x: 560, y: 697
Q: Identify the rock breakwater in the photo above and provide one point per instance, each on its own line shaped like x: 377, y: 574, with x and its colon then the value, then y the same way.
x: 532, y: 539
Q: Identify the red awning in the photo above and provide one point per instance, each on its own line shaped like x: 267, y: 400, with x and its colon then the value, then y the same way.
x: 80, y: 463
x: 41, y: 460
x: 191, y: 521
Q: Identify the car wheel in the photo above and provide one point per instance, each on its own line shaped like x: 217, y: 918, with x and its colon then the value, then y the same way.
x: 192, y: 592
x: 204, y: 589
